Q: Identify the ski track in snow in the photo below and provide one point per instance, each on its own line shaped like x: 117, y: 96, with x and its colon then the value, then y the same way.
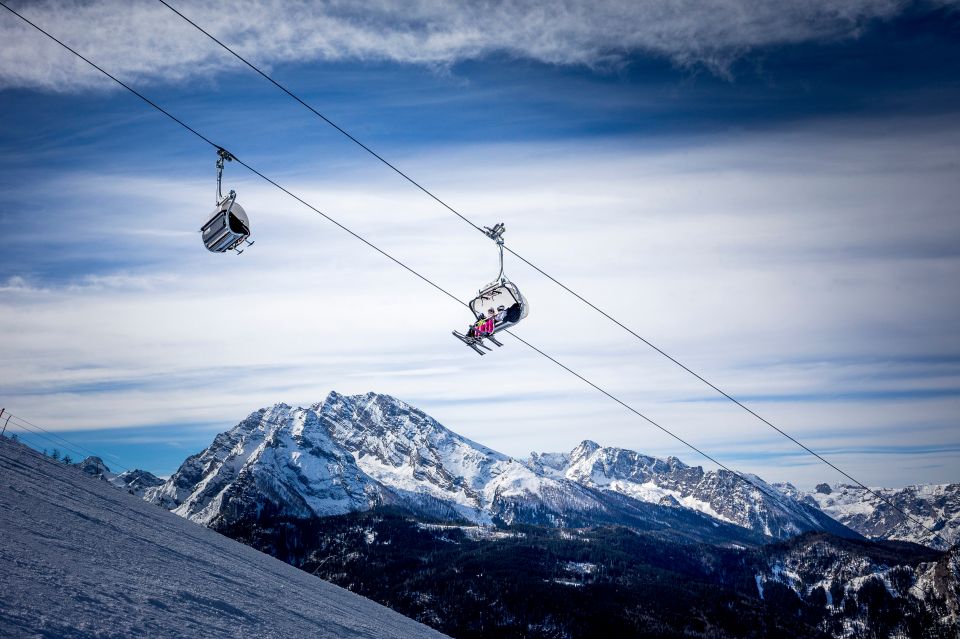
x: 79, y: 558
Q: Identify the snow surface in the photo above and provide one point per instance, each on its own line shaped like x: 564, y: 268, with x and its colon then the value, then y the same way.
x: 79, y: 558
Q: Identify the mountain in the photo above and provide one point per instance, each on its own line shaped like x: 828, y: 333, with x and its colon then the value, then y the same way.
x: 349, y: 454
x: 936, y: 506
x: 81, y: 559
x: 136, y: 482
x: 354, y: 453
x: 760, y: 507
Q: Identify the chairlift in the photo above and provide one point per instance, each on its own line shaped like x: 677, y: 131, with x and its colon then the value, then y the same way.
x: 498, y: 306
x: 228, y: 225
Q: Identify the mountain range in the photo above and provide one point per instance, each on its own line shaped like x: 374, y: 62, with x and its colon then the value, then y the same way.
x: 354, y: 453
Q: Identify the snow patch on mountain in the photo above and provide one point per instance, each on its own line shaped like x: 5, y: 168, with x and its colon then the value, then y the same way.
x: 280, y: 456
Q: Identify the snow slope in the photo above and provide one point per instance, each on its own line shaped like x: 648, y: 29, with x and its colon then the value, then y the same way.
x: 79, y: 558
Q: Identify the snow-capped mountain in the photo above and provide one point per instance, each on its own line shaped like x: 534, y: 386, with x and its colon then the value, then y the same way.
x: 720, y: 494
x: 417, y: 458
x: 352, y: 453
x: 935, y: 506
x: 136, y: 482
x: 278, y: 456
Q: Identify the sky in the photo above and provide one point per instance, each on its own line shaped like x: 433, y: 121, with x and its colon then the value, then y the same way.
x: 766, y: 191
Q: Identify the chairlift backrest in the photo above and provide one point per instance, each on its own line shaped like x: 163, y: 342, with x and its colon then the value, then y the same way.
x: 496, y: 294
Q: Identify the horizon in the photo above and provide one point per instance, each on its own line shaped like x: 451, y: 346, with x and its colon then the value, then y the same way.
x: 772, y: 201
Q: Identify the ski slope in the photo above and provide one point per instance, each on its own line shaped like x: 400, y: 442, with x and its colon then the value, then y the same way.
x: 79, y: 558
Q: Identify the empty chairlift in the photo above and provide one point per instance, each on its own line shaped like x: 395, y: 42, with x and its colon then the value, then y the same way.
x: 228, y: 226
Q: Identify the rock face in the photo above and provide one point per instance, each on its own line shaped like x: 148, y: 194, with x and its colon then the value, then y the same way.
x: 95, y: 467
x: 885, y: 589
x: 762, y: 508
x: 353, y: 453
x: 936, y: 507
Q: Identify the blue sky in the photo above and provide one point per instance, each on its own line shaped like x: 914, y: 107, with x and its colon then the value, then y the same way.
x: 768, y: 191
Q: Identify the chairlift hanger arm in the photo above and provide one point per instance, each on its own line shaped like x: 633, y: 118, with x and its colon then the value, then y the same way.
x: 496, y: 234
x: 222, y: 155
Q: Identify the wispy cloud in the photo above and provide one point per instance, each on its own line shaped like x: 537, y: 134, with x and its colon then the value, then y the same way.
x: 741, y: 276
x: 144, y: 41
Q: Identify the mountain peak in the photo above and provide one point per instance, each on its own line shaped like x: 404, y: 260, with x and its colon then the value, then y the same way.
x: 94, y: 466
x: 584, y: 448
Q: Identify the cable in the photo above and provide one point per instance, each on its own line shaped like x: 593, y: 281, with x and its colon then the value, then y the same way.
x: 627, y: 406
x: 322, y: 117
x: 57, y: 444
x: 83, y: 449
x: 21, y: 435
x: 520, y: 257
x: 354, y: 234
x: 400, y: 263
x: 512, y: 252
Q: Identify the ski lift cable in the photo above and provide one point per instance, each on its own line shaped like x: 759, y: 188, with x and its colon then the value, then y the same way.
x: 514, y: 253
x: 27, y: 428
x: 414, y: 272
x: 322, y: 116
x: 54, y: 438
x: 327, y: 217
x: 83, y: 450
x: 28, y: 434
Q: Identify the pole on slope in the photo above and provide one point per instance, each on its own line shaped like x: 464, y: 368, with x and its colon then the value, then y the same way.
x: 4, y: 431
